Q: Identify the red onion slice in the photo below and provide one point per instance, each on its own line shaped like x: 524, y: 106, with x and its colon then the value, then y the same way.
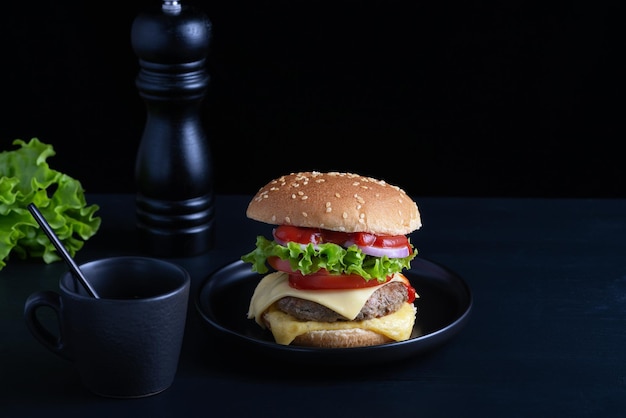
x: 399, y: 252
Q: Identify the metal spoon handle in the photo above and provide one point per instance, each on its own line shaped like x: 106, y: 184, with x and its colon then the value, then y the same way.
x: 61, y: 249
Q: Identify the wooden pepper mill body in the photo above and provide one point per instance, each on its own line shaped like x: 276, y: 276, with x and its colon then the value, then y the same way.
x: 173, y: 172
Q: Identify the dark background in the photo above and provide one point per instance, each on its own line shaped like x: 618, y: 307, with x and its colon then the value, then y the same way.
x: 443, y: 99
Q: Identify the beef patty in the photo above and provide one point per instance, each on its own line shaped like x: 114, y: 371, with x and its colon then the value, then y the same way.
x: 383, y: 301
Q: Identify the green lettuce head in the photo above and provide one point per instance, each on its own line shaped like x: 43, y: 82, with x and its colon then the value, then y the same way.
x: 25, y: 178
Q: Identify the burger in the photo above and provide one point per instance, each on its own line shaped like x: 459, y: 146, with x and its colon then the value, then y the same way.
x: 332, y: 270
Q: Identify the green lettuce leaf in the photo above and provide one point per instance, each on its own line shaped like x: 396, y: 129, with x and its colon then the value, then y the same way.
x: 332, y: 257
x: 25, y: 178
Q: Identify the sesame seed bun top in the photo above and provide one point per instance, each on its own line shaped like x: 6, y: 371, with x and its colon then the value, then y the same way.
x: 336, y: 201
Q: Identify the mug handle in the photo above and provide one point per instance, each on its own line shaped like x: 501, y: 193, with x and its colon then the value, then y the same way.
x: 52, y: 300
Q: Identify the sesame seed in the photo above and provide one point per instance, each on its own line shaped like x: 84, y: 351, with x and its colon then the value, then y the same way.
x: 344, y: 215
x: 304, y: 197
x: 305, y: 214
x: 337, y: 195
x: 287, y: 220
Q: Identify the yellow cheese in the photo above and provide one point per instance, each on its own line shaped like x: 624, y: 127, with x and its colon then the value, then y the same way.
x: 397, y: 326
x: 275, y: 286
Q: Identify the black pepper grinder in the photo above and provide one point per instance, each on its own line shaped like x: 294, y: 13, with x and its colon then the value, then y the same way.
x: 173, y: 171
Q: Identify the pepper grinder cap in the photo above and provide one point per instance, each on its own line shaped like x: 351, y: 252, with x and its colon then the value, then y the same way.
x: 171, y: 34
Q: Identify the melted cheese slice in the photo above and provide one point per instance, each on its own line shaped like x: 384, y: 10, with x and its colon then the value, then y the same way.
x: 275, y: 286
x: 397, y: 326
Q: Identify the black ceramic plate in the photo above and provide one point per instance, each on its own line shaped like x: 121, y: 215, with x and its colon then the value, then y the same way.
x: 443, y: 308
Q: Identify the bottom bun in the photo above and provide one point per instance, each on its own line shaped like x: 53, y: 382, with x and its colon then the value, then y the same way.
x: 343, y: 338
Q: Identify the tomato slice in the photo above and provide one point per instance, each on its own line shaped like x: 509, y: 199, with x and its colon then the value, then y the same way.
x: 301, y: 235
x: 321, y: 279
x: 288, y: 233
x: 280, y: 265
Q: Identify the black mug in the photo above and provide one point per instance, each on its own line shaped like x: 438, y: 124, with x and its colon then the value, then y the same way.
x: 127, y: 342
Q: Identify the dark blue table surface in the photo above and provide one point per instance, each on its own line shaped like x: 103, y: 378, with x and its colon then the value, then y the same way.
x: 546, y: 335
